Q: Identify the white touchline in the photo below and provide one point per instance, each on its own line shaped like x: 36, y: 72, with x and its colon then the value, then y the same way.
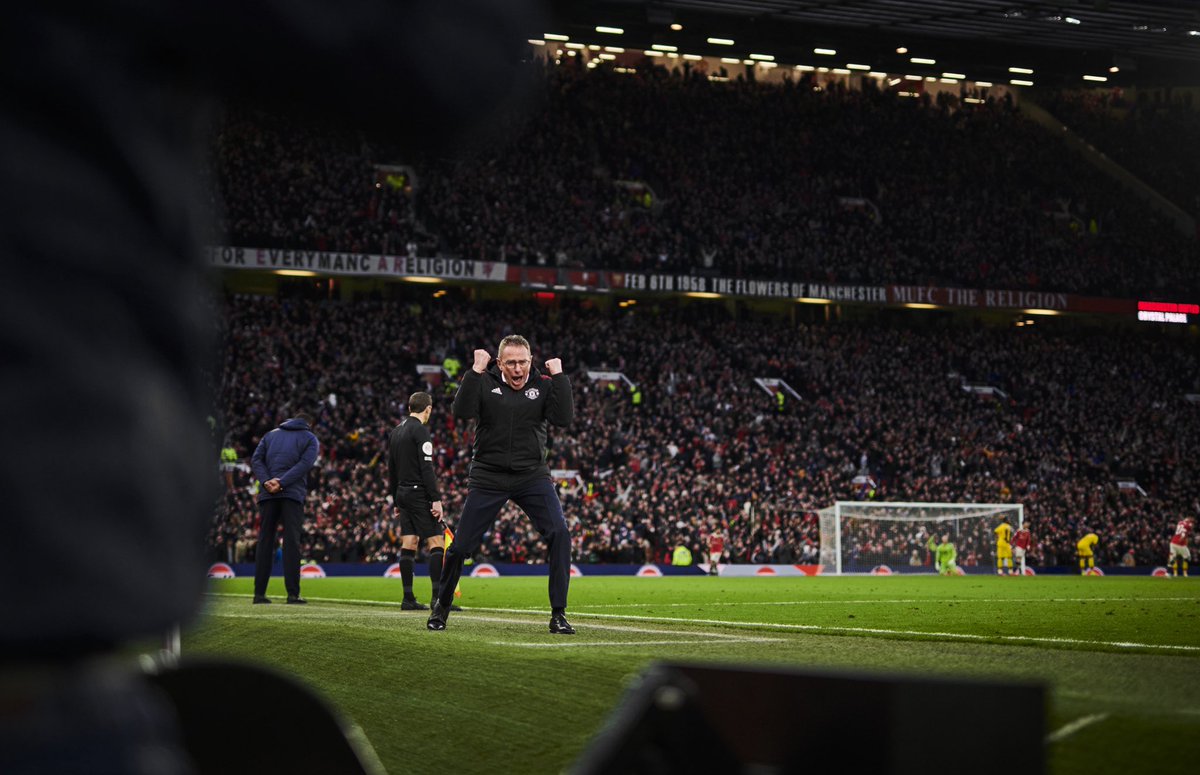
x: 1074, y: 726
x: 874, y: 631
x: 311, y: 614
x: 743, y: 604
x: 617, y: 628
x: 955, y: 600
x: 304, y: 616
x: 632, y: 643
x: 889, y: 601
x: 816, y: 628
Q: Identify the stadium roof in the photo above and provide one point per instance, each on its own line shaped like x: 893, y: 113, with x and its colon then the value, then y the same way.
x: 1150, y: 42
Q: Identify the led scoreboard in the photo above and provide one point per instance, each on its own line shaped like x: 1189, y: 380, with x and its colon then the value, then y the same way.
x: 1166, y: 312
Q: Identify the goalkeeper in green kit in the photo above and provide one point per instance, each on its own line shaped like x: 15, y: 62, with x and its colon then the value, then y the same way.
x: 944, y: 555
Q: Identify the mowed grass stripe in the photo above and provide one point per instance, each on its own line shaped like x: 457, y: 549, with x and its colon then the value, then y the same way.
x: 778, y: 626
x: 827, y: 629
x: 533, y: 709
x: 332, y: 614
x: 561, y: 643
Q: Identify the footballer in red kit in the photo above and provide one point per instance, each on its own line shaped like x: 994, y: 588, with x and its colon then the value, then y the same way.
x: 1178, y: 552
x: 1021, y: 544
x: 716, y: 550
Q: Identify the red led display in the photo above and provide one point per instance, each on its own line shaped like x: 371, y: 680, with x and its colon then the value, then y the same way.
x: 1166, y: 306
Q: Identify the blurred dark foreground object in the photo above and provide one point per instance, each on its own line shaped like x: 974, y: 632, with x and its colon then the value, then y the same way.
x: 97, y: 716
x: 108, y: 478
x: 686, y: 718
x: 241, y: 718
x: 106, y: 716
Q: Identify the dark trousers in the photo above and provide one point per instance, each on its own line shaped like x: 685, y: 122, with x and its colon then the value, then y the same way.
x: 539, y: 500
x: 290, y: 512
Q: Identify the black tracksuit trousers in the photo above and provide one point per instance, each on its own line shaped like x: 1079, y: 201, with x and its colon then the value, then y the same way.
x: 537, y: 498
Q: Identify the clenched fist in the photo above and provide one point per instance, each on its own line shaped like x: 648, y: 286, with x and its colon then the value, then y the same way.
x: 482, y: 359
x: 554, y: 366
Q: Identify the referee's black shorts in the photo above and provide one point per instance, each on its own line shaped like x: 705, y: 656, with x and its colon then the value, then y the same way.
x: 416, y: 516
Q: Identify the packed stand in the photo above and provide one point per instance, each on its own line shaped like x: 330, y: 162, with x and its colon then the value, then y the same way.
x: 1152, y: 135
x: 282, y: 183
x: 708, y: 450
x: 666, y: 172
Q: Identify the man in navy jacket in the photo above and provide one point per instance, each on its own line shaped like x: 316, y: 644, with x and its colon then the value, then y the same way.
x: 281, y: 462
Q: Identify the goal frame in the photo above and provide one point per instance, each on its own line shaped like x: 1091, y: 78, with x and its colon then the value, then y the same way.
x: 837, y: 513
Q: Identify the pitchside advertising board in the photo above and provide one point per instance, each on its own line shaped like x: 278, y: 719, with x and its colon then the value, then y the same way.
x: 313, y: 570
x: 325, y: 263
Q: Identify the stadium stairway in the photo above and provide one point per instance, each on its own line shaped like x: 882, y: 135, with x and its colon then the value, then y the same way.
x: 1184, y: 222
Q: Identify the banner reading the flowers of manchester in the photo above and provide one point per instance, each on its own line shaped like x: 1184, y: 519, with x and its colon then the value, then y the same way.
x: 597, y: 281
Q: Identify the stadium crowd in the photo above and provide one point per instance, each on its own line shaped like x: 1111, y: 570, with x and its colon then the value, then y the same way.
x: 292, y: 184
x: 884, y: 413
x: 673, y: 172
x: 1147, y: 134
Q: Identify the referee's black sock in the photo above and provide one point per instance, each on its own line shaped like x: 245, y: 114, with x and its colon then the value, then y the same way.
x: 406, y: 571
x: 435, y: 570
x: 558, y: 611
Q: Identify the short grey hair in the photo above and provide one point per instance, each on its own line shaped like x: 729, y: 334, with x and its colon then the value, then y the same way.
x: 513, y: 340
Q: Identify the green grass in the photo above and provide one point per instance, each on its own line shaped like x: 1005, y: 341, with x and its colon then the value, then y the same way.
x: 516, y: 699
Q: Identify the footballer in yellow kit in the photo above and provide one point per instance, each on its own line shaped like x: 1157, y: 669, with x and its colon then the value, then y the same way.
x: 1004, y: 555
x: 1084, y: 549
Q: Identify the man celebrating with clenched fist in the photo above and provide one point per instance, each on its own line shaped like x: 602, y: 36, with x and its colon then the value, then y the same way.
x: 513, y: 402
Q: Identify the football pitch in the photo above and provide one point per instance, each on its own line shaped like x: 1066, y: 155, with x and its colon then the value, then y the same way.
x: 495, y: 692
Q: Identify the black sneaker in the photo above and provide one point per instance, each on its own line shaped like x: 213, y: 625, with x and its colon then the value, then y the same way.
x: 560, y: 626
x: 261, y: 600
x: 454, y: 607
x: 412, y: 605
x: 296, y: 600
x: 437, y: 617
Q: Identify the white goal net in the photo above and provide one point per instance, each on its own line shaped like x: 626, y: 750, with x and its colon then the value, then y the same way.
x: 861, y: 536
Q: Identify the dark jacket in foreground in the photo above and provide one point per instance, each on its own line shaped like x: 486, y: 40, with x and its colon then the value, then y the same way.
x: 287, y: 453
x: 103, y: 132
x: 510, y: 438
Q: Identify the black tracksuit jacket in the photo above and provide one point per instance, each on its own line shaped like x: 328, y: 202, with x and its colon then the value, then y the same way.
x: 510, y: 439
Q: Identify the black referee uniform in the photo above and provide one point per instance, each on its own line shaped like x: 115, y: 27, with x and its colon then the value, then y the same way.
x: 414, y: 487
x: 508, y: 462
x: 410, y: 472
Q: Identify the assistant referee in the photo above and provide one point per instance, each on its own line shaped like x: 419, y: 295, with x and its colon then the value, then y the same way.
x: 415, y: 497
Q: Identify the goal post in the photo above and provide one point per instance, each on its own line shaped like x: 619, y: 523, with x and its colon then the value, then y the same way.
x: 861, y: 536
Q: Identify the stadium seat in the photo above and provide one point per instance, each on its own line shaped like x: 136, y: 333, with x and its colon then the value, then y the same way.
x: 242, y: 718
